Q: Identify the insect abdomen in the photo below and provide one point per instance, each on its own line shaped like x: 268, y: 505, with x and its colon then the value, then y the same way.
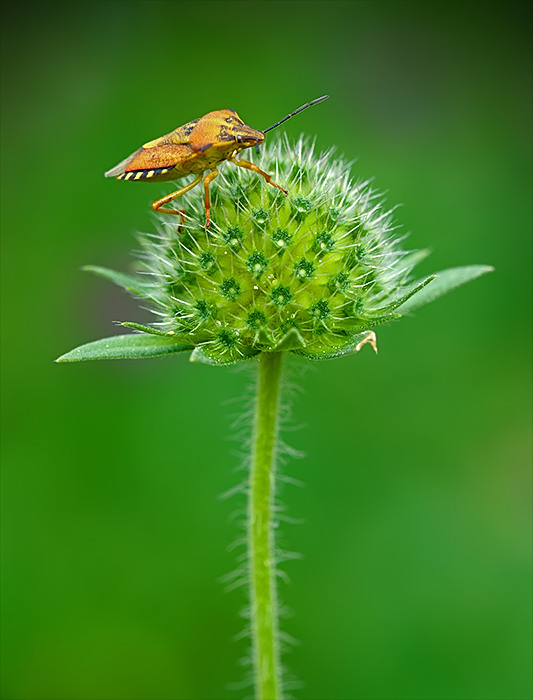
x: 144, y: 174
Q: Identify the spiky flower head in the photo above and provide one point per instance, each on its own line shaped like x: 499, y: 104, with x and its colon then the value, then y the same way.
x: 308, y: 272
x: 312, y: 273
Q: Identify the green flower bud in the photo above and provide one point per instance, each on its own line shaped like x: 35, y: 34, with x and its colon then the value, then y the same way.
x: 320, y: 263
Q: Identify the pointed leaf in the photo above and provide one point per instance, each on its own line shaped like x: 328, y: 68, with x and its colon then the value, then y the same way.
x: 352, y: 346
x: 444, y: 282
x: 372, y: 321
x: 262, y: 337
x: 411, y: 291
x: 199, y: 355
x: 128, y: 282
x: 290, y: 341
x: 124, y: 347
x: 145, y: 329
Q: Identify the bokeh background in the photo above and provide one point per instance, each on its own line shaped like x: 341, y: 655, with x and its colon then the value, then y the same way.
x: 415, y: 580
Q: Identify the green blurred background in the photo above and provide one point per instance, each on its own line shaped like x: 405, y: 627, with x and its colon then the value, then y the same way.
x: 415, y: 581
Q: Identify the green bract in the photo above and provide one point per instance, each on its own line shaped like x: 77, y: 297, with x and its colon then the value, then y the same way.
x: 312, y: 272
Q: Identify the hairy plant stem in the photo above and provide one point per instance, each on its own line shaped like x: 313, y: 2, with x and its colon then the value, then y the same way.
x: 263, y: 596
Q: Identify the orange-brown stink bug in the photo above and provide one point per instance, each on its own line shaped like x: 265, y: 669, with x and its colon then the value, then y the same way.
x: 194, y: 148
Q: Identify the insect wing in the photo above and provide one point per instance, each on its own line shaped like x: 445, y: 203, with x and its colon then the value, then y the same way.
x: 179, y: 136
x: 121, y: 168
x: 154, y: 163
x: 163, y: 156
x: 163, y: 152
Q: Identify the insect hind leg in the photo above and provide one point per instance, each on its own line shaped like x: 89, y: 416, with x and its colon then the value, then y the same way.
x: 159, y: 204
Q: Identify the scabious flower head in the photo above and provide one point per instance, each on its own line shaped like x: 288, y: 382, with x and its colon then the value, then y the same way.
x: 310, y: 272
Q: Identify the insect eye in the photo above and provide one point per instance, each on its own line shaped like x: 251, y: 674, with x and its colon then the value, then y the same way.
x: 239, y: 138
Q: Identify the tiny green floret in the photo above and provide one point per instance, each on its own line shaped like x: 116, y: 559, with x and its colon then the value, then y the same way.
x: 233, y: 237
x: 256, y: 319
x: 302, y: 206
x: 339, y: 283
x: 260, y: 216
x: 206, y: 260
x: 257, y: 263
x: 320, y: 310
x: 281, y: 295
x: 304, y: 269
x: 227, y: 338
x: 203, y: 309
x: 281, y: 238
x: 230, y: 288
x: 324, y: 242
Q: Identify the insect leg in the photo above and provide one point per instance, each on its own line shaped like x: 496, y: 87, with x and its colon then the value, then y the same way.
x: 157, y: 206
x: 250, y: 166
x: 207, y: 179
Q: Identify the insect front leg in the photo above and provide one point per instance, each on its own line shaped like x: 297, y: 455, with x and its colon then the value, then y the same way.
x: 158, y: 206
x: 250, y: 166
x: 207, y: 180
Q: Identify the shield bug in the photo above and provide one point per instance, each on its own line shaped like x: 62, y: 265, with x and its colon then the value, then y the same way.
x: 193, y: 149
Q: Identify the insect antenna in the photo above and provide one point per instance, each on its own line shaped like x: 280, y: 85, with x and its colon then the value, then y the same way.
x: 296, y: 111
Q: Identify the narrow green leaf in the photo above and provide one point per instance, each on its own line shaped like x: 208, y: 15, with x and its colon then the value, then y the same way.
x: 444, y: 282
x: 198, y: 355
x: 372, y: 321
x: 124, y: 347
x: 329, y: 353
x: 412, y: 290
x: 128, y: 282
x: 145, y: 329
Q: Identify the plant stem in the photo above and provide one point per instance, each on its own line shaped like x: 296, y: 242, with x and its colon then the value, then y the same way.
x: 263, y: 597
